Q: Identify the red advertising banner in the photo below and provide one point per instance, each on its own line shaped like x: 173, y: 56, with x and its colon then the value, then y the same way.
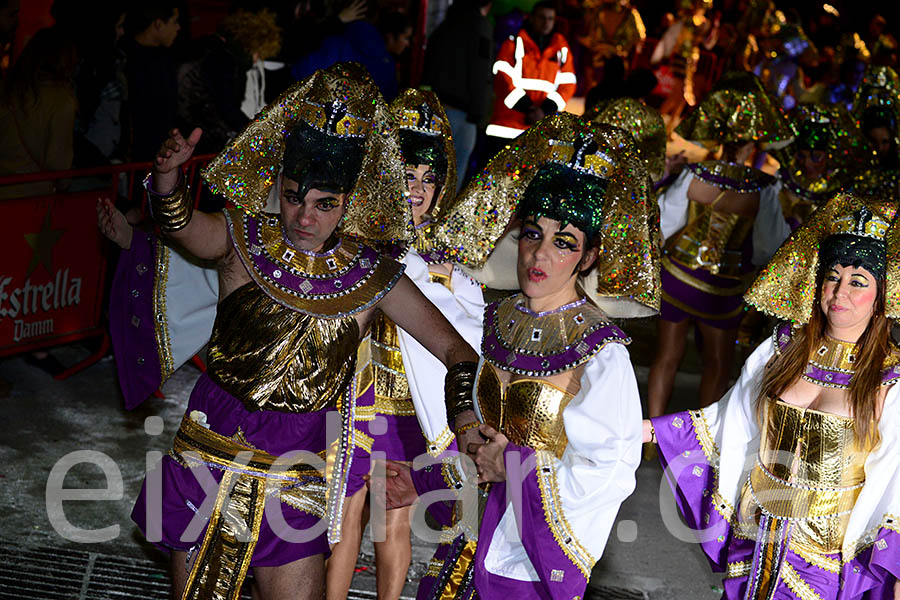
x: 52, y: 277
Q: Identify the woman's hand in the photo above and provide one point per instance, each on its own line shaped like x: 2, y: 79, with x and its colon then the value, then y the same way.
x: 399, y: 490
x: 489, y: 456
x: 355, y: 11
x: 113, y: 224
x: 173, y: 153
x: 649, y: 435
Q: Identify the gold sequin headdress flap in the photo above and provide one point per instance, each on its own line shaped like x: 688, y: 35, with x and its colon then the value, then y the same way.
x: 418, y: 113
x: 340, y: 102
x: 645, y: 124
x: 626, y: 281
x: 738, y: 109
x: 786, y: 287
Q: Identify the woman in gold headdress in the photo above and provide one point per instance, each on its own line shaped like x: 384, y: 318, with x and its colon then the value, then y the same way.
x: 405, y: 374
x: 719, y: 219
x: 556, y: 392
x: 814, y: 416
x: 877, y: 110
x: 645, y: 125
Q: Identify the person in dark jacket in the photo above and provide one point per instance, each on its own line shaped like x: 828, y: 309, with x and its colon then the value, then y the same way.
x: 458, y: 69
x: 152, y: 27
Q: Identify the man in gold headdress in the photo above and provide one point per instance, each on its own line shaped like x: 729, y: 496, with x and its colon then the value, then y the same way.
x: 297, y: 290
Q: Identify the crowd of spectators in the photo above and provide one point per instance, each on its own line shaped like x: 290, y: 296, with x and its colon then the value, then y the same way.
x: 105, y: 85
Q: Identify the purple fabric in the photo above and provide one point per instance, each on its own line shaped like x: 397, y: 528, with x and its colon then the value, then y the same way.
x: 428, y: 479
x: 542, y: 548
x: 693, y: 481
x: 131, y: 322
x: 402, y: 440
x: 494, y: 350
x: 429, y: 586
x: 701, y: 301
x: 274, y: 432
x: 871, y: 575
x: 700, y: 170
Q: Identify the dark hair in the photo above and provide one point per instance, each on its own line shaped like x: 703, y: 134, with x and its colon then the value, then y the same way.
x: 548, y: 4
x: 874, y: 117
x: 143, y: 13
x: 393, y: 23
x: 42, y: 60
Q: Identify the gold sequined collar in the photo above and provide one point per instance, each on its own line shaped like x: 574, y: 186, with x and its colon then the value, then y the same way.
x: 348, y: 278
x: 543, y: 344
x: 731, y: 176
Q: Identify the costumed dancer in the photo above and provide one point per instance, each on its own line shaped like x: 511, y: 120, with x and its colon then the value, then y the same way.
x: 814, y: 417
x: 298, y: 290
x: 877, y: 110
x: 555, y: 394
x: 718, y: 219
x: 821, y: 161
x: 613, y: 28
x: 426, y: 145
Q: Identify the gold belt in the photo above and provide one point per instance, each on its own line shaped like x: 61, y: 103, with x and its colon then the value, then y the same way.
x: 249, y: 475
x: 799, y: 502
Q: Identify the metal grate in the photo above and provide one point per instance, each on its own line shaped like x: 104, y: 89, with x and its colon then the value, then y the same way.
x: 41, y: 573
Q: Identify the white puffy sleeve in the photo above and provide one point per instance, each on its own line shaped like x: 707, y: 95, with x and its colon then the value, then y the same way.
x: 673, y: 205
x: 463, y: 307
x: 770, y: 228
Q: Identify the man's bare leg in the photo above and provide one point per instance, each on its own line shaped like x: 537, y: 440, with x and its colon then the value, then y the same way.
x: 393, y: 555
x: 302, y: 579
x: 344, y: 554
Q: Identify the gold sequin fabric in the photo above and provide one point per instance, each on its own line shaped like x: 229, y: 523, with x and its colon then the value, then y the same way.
x: 810, y: 470
x: 273, y: 358
x: 392, y: 394
x: 645, y: 124
x: 628, y: 264
x: 404, y: 109
x: 378, y: 207
x: 786, y: 286
x: 528, y: 411
x: 346, y: 279
x: 738, y: 109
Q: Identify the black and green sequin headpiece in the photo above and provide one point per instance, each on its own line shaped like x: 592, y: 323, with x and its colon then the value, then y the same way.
x: 857, y: 241
x: 325, y: 150
x: 571, y: 191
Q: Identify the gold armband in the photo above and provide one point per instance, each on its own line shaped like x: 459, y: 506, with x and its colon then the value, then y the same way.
x: 458, y: 386
x: 467, y: 427
x: 171, y: 211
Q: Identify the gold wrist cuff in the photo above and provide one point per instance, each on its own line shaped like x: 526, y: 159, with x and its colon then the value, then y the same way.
x: 172, y: 211
x: 458, y: 386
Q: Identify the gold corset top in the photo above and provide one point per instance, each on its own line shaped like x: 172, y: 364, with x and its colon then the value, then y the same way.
x: 712, y: 240
x: 390, y: 378
x: 810, y: 469
x: 273, y: 358
x: 528, y: 411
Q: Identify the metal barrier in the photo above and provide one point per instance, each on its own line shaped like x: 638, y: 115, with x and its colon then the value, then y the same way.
x: 53, y: 276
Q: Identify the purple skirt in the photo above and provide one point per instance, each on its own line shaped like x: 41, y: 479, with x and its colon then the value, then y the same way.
x: 681, y: 300
x: 273, y: 432
x: 399, y: 437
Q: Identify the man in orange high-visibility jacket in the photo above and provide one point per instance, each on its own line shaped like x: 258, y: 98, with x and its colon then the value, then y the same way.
x: 534, y: 76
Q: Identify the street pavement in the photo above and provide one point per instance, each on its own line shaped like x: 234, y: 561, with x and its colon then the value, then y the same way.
x: 49, y: 423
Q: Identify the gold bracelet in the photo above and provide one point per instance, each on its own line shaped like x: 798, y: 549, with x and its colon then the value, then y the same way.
x: 172, y: 211
x: 467, y: 427
x: 652, y: 433
x: 458, y: 386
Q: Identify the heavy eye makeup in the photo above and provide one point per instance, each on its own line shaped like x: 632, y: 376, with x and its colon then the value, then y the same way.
x: 565, y: 241
x: 859, y: 281
x: 326, y: 204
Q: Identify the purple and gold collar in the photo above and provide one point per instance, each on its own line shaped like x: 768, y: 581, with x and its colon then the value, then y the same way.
x: 345, y: 280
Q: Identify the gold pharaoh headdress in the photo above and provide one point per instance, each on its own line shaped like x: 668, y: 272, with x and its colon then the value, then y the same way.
x: 645, y: 124
x: 786, y: 287
x: 879, y: 93
x: 626, y: 281
x: 341, y: 101
x: 421, y: 112
x: 738, y: 109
